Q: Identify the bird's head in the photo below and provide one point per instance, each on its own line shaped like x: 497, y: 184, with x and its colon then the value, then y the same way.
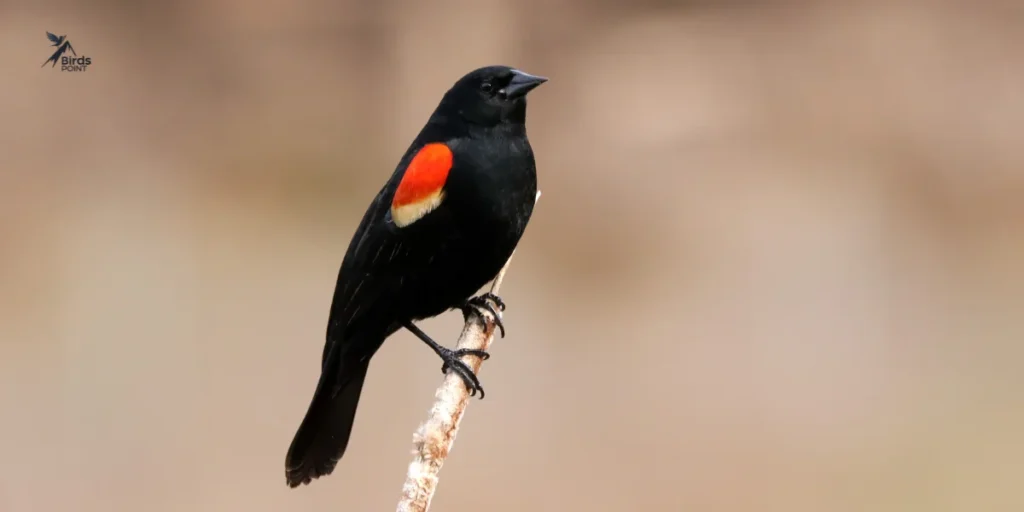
x: 490, y: 96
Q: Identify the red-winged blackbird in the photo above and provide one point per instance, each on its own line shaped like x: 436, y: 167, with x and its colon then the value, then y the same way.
x: 442, y: 227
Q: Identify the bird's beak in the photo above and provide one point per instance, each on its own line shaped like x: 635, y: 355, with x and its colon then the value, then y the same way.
x: 521, y: 84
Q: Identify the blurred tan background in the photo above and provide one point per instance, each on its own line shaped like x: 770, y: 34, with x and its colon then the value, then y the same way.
x: 777, y: 265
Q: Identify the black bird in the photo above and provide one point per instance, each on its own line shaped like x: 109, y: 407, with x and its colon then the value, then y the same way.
x: 440, y: 228
x: 62, y: 45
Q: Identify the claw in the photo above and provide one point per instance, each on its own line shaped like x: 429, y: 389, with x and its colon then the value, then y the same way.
x: 457, y: 354
x: 495, y: 299
x: 484, y: 302
x: 452, y: 361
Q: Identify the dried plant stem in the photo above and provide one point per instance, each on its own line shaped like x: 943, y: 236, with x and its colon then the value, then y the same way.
x: 434, y: 439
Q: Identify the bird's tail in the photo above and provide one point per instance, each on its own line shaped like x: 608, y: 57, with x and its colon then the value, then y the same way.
x: 323, y: 435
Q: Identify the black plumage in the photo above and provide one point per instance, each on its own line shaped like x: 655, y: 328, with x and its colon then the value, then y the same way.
x: 420, y: 264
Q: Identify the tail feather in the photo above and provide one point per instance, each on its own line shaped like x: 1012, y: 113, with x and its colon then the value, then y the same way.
x: 323, y: 435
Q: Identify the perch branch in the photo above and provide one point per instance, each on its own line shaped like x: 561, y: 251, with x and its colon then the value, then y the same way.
x: 434, y: 439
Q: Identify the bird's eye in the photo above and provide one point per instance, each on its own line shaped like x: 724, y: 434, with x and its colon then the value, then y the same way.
x: 487, y: 87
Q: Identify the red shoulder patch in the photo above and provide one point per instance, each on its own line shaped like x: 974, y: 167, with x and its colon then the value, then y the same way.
x: 420, y: 190
x: 426, y: 174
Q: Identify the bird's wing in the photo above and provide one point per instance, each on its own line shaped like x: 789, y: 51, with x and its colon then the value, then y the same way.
x: 385, y: 256
x: 379, y: 270
x: 52, y: 37
x: 53, y: 58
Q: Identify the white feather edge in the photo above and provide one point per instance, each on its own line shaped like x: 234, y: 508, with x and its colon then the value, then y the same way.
x: 408, y: 213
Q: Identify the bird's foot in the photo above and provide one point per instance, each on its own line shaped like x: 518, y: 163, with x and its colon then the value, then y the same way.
x: 475, y: 304
x: 453, y: 361
x: 495, y: 299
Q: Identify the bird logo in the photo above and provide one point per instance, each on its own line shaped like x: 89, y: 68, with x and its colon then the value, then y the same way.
x: 62, y: 44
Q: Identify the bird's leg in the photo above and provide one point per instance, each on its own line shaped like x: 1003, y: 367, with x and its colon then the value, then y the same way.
x: 453, y: 359
x: 475, y: 304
